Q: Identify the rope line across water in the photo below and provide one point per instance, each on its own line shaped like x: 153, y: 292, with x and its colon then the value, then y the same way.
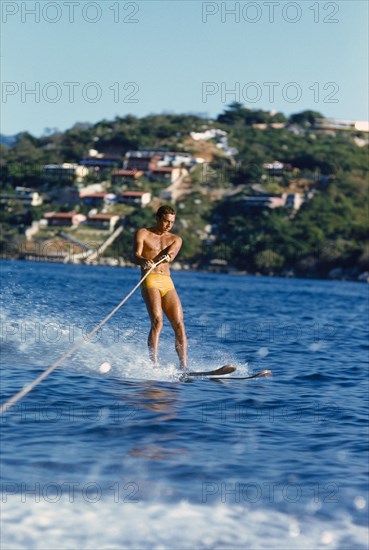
x: 6, y: 406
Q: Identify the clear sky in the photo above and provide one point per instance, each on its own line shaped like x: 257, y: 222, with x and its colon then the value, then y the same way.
x: 69, y: 61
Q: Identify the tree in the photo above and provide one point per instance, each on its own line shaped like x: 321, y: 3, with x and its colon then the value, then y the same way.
x: 269, y: 260
x: 305, y: 118
x: 237, y: 114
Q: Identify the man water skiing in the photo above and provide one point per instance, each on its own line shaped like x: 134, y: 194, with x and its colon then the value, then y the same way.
x: 151, y: 245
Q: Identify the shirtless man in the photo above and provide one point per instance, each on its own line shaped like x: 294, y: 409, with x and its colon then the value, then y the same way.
x: 151, y: 245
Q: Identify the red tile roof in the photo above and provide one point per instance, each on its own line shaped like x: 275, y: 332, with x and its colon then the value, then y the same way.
x: 101, y: 195
x: 65, y: 215
x: 102, y: 217
x: 133, y: 173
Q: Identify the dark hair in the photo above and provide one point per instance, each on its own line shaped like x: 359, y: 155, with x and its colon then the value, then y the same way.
x: 165, y: 209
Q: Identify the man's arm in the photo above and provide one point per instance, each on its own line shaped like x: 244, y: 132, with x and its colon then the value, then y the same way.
x: 173, y: 249
x: 137, y: 257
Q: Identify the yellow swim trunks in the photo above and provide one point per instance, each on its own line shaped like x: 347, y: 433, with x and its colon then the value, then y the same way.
x: 162, y: 282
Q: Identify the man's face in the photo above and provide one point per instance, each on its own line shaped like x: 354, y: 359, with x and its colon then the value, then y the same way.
x: 166, y: 222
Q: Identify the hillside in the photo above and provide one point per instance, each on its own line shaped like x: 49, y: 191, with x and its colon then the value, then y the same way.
x: 260, y: 193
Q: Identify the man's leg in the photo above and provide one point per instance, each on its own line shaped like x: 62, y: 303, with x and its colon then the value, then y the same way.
x: 173, y: 310
x: 152, y: 300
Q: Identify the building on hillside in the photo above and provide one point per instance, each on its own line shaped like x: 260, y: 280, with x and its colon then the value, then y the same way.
x: 278, y: 125
x: 103, y: 221
x: 261, y: 202
x: 294, y: 201
x: 101, y: 163
x: 148, y: 160
x: 267, y: 125
x: 23, y: 195
x: 167, y: 174
x: 91, y: 189
x: 221, y: 138
x: 65, y: 219
x: 28, y: 196
x: 135, y: 198
x: 211, y: 133
x: 176, y: 159
x: 260, y: 125
x: 143, y: 161
x: 277, y: 168
x: 121, y: 177
x: 65, y: 172
x: 336, y: 124
x: 93, y: 199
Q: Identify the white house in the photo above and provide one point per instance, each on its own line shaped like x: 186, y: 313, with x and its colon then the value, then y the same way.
x: 147, y: 160
x: 176, y: 160
x: 208, y: 134
x: 336, y: 124
x: 275, y: 165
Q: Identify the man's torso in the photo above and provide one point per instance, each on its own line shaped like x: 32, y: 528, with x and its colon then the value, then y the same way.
x: 154, y: 244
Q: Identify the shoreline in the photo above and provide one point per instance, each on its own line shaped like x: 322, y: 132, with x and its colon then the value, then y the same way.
x: 337, y: 274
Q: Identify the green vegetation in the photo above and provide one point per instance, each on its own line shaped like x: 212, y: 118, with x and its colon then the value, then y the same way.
x: 329, y: 231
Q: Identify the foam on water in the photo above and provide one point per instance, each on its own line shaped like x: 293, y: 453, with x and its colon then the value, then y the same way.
x: 43, y: 329
x: 107, y: 525
x: 106, y: 416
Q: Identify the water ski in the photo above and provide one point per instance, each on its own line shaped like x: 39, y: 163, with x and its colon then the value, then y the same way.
x: 226, y: 369
x: 256, y: 375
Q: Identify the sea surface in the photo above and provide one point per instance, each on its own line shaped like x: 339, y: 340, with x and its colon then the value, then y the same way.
x: 134, y: 458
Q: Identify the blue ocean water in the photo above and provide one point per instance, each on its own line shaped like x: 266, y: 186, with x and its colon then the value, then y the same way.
x: 135, y: 458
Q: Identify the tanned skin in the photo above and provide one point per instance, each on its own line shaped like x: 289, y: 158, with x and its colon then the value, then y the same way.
x: 151, y: 245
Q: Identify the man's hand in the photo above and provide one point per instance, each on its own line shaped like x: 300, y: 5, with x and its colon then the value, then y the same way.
x: 148, y: 264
